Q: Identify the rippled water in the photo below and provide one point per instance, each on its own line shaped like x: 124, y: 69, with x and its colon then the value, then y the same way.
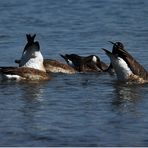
x: 79, y: 109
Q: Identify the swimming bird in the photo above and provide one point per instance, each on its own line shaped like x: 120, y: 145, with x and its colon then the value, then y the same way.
x: 126, y: 67
x: 90, y: 63
x: 23, y: 73
x: 31, y: 64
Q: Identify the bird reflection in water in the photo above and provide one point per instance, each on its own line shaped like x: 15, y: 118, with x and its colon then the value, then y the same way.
x: 32, y: 109
x: 33, y: 90
x: 32, y: 96
x: 126, y: 96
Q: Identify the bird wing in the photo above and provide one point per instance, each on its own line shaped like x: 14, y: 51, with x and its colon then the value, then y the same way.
x: 134, y: 65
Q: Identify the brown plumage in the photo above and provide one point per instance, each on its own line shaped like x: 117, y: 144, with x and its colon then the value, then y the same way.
x: 134, y: 65
x: 81, y: 64
x: 31, y: 64
x: 138, y: 72
x: 25, y: 73
x: 90, y: 63
x: 56, y: 66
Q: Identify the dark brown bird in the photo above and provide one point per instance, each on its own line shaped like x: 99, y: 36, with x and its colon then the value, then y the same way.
x: 90, y: 63
x: 126, y: 67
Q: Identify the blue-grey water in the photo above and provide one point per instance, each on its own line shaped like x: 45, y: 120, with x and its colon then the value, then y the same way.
x: 79, y: 109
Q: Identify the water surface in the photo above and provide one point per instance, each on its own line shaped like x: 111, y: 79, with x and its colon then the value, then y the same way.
x: 79, y: 109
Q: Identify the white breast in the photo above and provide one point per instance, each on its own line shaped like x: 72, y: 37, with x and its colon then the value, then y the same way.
x: 121, y: 68
x: 33, y: 60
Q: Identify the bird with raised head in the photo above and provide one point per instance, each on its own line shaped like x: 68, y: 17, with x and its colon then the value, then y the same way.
x: 125, y: 66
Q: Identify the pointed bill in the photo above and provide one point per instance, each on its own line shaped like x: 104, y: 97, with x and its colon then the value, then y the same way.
x: 112, y: 42
x: 107, y: 52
